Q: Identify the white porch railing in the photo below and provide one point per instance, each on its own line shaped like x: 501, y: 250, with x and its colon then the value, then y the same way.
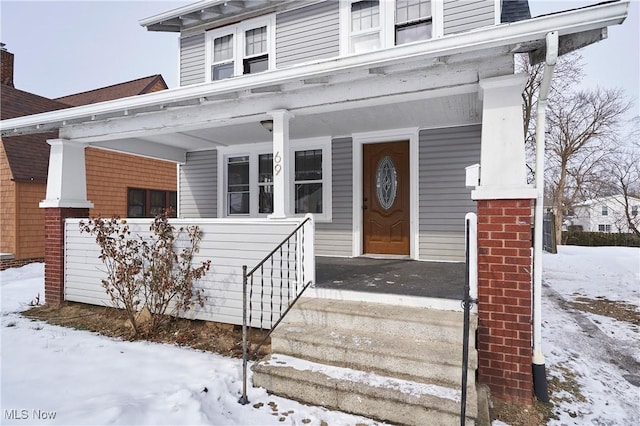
x: 228, y: 243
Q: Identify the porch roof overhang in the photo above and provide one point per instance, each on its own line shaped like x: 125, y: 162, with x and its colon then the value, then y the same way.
x: 212, y: 13
x: 398, y: 85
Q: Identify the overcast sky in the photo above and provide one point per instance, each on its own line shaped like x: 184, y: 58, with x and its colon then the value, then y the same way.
x: 64, y: 47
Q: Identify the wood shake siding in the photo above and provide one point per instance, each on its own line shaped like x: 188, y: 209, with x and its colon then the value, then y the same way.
x: 335, y: 238
x: 307, y: 34
x: 30, y: 221
x: 110, y: 174
x: 444, y: 198
x: 199, y: 185
x: 465, y: 15
x: 192, y: 60
x: 7, y: 206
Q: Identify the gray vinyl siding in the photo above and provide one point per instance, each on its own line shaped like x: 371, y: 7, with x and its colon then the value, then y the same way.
x: 444, y: 198
x: 465, y: 15
x: 335, y: 238
x: 198, y: 180
x: 192, y: 56
x: 308, y: 33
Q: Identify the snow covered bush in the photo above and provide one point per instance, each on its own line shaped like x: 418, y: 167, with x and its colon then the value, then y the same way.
x: 149, y: 273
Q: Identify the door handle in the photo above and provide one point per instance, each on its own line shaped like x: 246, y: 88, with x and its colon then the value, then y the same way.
x: 365, y: 199
x: 364, y: 207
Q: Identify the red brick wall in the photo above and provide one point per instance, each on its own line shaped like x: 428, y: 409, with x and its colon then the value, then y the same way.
x: 16, y: 263
x: 504, y: 298
x: 54, y: 251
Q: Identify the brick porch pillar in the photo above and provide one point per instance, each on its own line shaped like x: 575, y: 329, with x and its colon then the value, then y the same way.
x: 66, y: 197
x: 504, y: 298
x: 54, y: 251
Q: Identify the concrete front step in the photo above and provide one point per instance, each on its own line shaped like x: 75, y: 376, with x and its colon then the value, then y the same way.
x: 377, y: 318
x: 385, y: 398
x: 408, y: 357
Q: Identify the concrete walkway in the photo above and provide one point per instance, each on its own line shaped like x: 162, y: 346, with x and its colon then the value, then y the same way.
x: 392, y: 276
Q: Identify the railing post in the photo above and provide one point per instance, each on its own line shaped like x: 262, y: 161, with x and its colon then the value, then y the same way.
x: 470, y: 298
x: 243, y: 399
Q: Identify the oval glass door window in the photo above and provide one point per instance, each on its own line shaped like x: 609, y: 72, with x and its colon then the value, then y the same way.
x: 386, y: 183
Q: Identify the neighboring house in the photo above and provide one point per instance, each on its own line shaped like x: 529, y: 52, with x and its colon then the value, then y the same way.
x: 119, y: 184
x: 606, y: 214
x: 364, y: 114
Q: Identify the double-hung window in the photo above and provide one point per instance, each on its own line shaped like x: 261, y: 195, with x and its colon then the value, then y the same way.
x: 248, y: 179
x: 367, y: 25
x: 223, y: 61
x: 413, y: 21
x: 308, y: 181
x: 604, y: 228
x: 244, y: 48
x: 605, y: 211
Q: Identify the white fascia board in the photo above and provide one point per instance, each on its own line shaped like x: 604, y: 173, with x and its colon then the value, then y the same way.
x: 575, y: 21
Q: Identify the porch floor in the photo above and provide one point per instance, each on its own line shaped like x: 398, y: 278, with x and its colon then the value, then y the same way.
x: 391, y: 276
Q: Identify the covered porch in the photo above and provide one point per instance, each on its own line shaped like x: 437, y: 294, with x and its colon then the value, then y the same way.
x: 390, y: 277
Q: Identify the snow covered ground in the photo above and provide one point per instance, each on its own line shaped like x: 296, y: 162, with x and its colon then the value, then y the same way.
x: 55, y: 375
x: 600, y: 353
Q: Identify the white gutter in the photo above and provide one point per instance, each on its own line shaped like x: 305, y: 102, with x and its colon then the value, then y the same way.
x: 550, y: 62
x: 569, y: 22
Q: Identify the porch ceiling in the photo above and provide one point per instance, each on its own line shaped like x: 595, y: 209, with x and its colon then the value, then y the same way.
x: 460, y: 109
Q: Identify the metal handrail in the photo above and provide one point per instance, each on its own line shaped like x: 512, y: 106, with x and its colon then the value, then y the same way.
x: 470, y: 298
x: 247, y: 309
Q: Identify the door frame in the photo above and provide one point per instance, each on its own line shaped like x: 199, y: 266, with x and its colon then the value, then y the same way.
x: 391, y: 135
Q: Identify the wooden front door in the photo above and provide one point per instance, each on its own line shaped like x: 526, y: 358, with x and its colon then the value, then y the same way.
x: 386, y: 212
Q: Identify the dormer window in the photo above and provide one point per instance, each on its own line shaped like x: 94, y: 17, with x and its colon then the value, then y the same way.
x: 413, y: 20
x: 245, y: 48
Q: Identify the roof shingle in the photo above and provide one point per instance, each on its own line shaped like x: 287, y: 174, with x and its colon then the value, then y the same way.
x: 28, y: 155
x: 140, y: 86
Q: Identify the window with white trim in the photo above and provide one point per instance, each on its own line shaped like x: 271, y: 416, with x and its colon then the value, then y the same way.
x: 308, y: 181
x: 265, y: 183
x: 634, y: 211
x: 604, y: 228
x: 248, y: 179
x: 605, y: 211
x: 413, y: 21
x: 368, y: 25
x: 238, y: 183
x: 245, y: 48
x: 365, y: 28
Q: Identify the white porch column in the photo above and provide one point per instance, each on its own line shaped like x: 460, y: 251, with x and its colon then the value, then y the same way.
x: 66, y: 181
x: 281, y: 166
x: 503, y: 171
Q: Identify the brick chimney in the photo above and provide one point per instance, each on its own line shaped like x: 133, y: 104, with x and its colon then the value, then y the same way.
x: 6, y: 59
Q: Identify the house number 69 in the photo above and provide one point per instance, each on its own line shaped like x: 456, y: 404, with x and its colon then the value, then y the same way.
x: 277, y: 159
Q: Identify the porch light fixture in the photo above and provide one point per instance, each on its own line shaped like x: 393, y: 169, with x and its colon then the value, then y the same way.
x: 268, y: 125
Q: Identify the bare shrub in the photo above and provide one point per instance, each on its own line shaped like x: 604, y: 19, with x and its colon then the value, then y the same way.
x: 151, y: 273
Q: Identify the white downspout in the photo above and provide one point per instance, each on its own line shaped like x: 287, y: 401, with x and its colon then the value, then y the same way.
x: 550, y: 62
